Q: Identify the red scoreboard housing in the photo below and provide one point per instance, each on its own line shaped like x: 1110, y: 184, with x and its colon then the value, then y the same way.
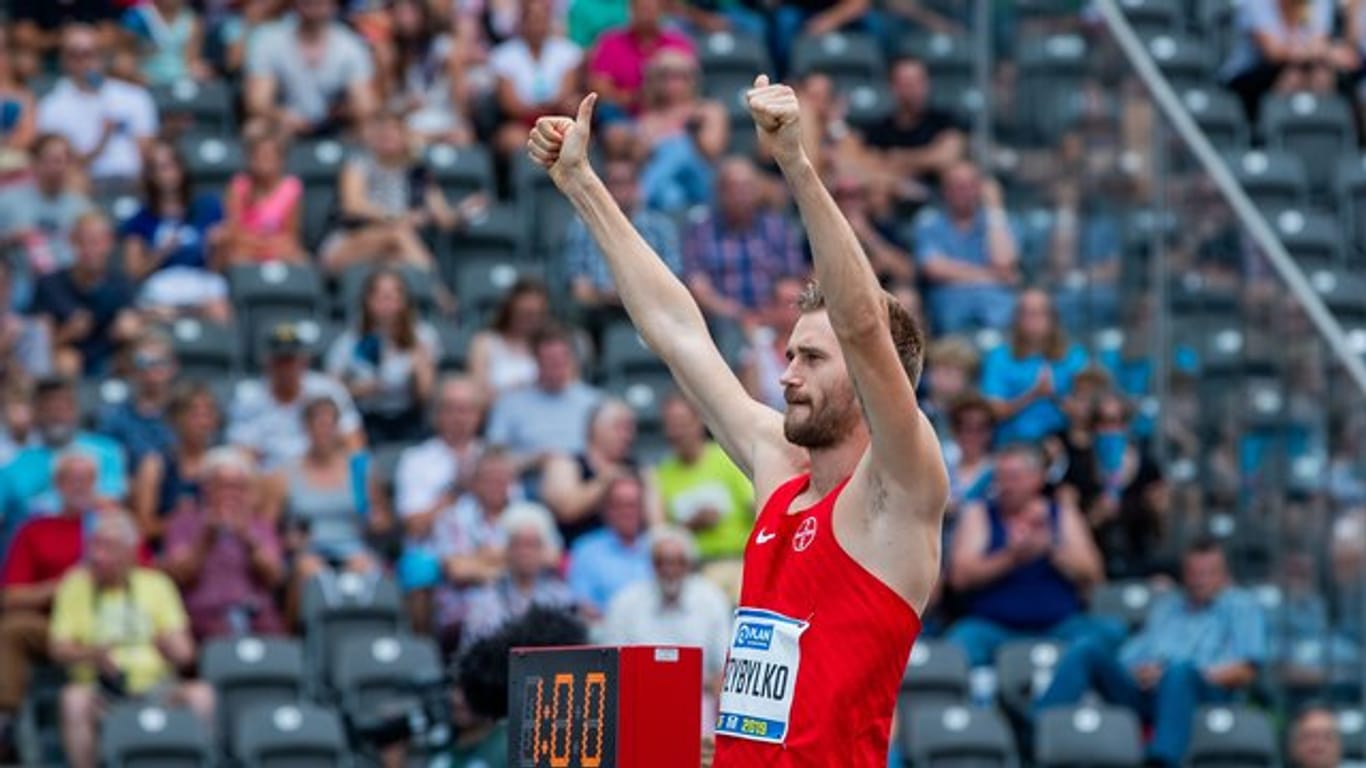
x: 636, y: 706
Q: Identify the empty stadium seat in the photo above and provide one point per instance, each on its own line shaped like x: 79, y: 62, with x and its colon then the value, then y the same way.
x: 730, y: 61
x: 460, y: 171
x: 37, y: 731
x: 207, y: 103
x: 455, y: 345
x: 848, y: 58
x: 645, y: 392
x: 957, y: 736
x: 1024, y: 669
x: 134, y: 734
x: 317, y: 163
x: 1313, y: 238
x: 1219, y: 115
x: 949, y: 59
x: 1052, y: 69
x: 252, y: 672
x: 1231, y: 737
x: 337, y: 606
x: 1094, y: 737
x: 498, y: 232
x: 481, y: 283
x: 1151, y: 18
x: 542, y: 203
x: 937, y: 673
x: 1352, y: 726
x: 625, y: 354
x: 1316, y: 128
x: 1186, y: 62
x: 291, y: 736
x: 1216, y: 20
x: 1274, y: 179
x: 204, y: 350
x: 374, y: 671
x: 868, y: 104
x: 1349, y: 187
x: 212, y: 160
x: 1128, y: 602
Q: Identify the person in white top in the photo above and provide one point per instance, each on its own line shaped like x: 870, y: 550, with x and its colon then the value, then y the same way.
x: 431, y: 475
x: 537, y: 73
x: 677, y: 607
x: 110, y: 123
x: 500, y: 357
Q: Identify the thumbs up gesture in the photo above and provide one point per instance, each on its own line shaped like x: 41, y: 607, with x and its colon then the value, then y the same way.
x: 777, y: 119
x: 560, y: 144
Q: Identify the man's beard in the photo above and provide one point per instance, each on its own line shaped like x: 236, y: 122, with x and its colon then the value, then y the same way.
x: 821, y: 428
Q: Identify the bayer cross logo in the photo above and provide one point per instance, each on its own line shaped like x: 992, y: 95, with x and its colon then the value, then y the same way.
x: 806, y: 533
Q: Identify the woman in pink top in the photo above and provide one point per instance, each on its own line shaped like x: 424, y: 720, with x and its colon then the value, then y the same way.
x: 264, y: 206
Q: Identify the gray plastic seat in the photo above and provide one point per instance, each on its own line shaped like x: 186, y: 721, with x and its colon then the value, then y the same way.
x: 957, y: 736
x: 297, y: 735
x: 134, y: 735
x: 204, y: 350
x: 1127, y: 601
x: 350, y: 296
x: 848, y: 58
x: 542, y: 203
x: 337, y: 606
x: 1219, y: 115
x: 1151, y: 18
x: 869, y: 104
x: 1349, y: 186
x: 1087, y: 737
x: 1352, y: 726
x: 1313, y: 238
x: 207, y: 103
x: 1052, y: 69
x: 377, y: 669
x: 1186, y: 62
x: 460, y: 171
x: 937, y: 672
x: 1024, y: 668
x: 1317, y: 128
x: 645, y: 392
x: 624, y: 353
x: 481, y: 283
x: 252, y: 672
x: 317, y: 163
x: 1274, y: 179
x: 728, y: 60
x: 1231, y: 737
x: 497, y: 233
x: 211, y: 160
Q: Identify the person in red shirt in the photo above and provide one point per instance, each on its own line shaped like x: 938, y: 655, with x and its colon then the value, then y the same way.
x: 42, y: 551
x: 616, y: 69
x: 845, y: 552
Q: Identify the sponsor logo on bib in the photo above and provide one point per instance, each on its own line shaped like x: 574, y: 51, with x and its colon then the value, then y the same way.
x: 760, y: 676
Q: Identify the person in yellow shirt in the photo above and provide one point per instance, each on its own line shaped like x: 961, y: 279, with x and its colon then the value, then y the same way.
x: 121, y: 632
x: 702, y: 490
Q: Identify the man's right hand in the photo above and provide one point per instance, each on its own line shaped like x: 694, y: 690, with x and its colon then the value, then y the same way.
x: 560, y: 144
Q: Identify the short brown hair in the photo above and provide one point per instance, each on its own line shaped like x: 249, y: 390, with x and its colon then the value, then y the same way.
x: 907, y: 336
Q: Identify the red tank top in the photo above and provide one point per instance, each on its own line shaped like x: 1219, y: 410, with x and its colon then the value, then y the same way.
x: 853, y: 650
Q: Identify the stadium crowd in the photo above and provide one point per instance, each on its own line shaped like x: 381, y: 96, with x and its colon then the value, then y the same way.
x: 491, y: 458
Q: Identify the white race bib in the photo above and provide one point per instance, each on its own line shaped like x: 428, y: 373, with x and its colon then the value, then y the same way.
x: 760, y: 676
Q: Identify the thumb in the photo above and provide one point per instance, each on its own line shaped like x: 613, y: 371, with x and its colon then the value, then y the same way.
x: 761, y: 81
x: 585, y: 118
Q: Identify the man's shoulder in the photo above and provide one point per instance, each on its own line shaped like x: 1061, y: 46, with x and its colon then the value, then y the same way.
x: 123, y: 91
x: 428, y: 450
x: 154, y: 581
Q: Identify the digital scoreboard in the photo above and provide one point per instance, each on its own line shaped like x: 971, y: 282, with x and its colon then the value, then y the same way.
x: 605, y: 707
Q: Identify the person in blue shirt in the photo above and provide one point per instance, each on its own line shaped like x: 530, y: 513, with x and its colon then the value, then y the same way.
x: 967, y: 251
x: 26, y: 483
x: 1025, y: 378
x: 140, y: 423
x: 1200, y: 645
x: 603, y: 562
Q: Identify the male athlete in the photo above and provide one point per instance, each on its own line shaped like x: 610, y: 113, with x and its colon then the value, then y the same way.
x: 845, y: 550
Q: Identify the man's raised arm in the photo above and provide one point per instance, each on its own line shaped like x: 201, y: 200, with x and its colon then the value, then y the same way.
x: 905, y: 451
x: 664, y: 313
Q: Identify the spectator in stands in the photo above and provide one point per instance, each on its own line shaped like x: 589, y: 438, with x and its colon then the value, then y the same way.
x: 574, y: 485
x: 532, y: 541
x: 916, y: 139
x: 733, y: 256
x: 967, y: 253
x: 18, y: 124
x: 952, y: 369
x: 27, y: 480
x: 1022, y: 562
x: 812, y: 18
x: 892, y: 263
x: 700, y: 488
x: 121, y: 631
x: 109, y: 122
x: 501, y: 356
x: 171, y: 241
x: 387, y: 198
x: 1199, y: 645
x: 606, y: 561
x: 549, y: 416
x: 89, y: 305
x: 970, y: 463
x: 675, y: 607
x: 1347, y: 550
x: 1025, y: 377
x: 263, y: 206
x: 680, y: 134
x: 1302, y: 648
x: 1315, y: 741
x: 25, y: 341
x: 1119, y: 488
x: 591, y: 283
x: 537, y: 74
x: 431, y: 476
x: 139, y: 423
x: 266, y: 417
x: 826, y: 135
x: 170, y: 39
x: 309, y: 73
x: 169, y: 479
x: 226, y: 557
x: 320, y: 501
x: 766, y: 354
x: 1281, y: 45
x: 424, y: 78
x: 1084, y: 261
x: 37, y: 219
x: 389, y: 362
x: 616, y: 68
x: 37, y: 27
x: 43, y: 550
x: 464, y: 548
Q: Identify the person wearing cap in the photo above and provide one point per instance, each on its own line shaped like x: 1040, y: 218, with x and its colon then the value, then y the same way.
x: 139, y: 423
x: 266, y: 416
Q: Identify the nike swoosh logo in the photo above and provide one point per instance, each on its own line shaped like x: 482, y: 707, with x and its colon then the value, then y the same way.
x: 764, y: 537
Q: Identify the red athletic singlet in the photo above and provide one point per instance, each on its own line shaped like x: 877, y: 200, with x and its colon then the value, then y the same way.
x: 818, y: 651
